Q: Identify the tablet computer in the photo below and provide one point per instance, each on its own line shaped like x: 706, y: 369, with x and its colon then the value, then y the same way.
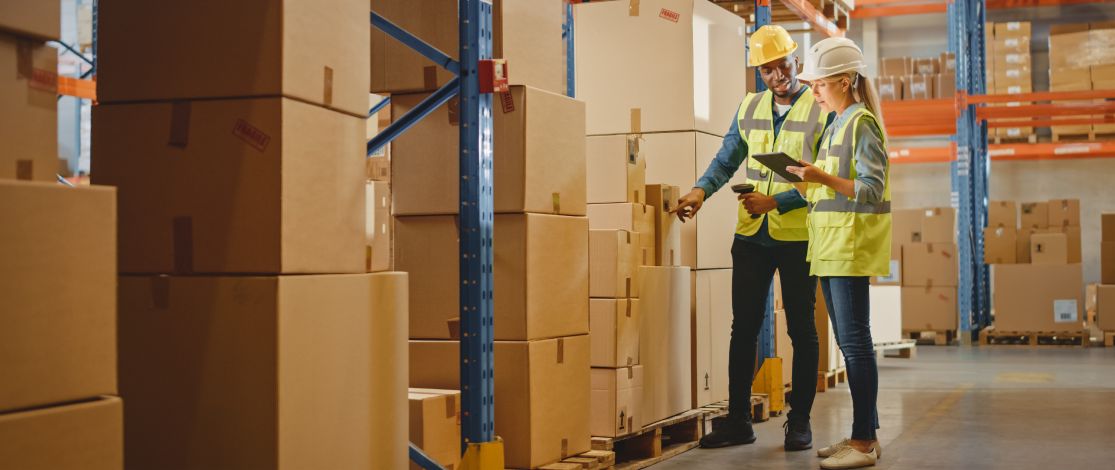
x: 777, y: 162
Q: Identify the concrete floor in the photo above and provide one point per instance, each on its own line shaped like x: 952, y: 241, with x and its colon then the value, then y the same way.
x: 953, y: 408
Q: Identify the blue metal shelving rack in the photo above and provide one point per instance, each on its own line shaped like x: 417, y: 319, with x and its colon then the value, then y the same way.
x: 479, y: 443
x: 766, y: 334
x: 971, y: 170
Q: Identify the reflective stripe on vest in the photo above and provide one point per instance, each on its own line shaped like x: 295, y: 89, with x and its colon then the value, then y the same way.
x: 798, y: 137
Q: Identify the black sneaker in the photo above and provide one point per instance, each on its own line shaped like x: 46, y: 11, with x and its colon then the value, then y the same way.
x: 727, y: 433
x: 798, y: 435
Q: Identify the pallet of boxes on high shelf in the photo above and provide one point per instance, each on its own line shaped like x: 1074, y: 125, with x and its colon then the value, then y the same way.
x: 58, y: 408
x: 1037, y: 290
x: 1009, y: 71
x: 924, y: 252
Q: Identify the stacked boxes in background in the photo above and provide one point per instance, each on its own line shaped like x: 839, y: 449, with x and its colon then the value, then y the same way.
x: 1080, y: 59
x: 1009, y: 68
x: 1102, y: 35
x: 917, y: 78
x: 1037, y: 280
x: 243, y: 240
x: 1105, y: 291
x: 925, y: 239
x: 57, y: 295
x: 659, y: 104
x: 435, y: 425
x: 541, y: 243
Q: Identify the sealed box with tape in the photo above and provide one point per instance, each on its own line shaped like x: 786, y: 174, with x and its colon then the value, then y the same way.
x: 28, y: 109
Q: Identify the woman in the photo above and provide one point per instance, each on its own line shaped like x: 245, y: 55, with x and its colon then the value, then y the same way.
x: 849, y: 227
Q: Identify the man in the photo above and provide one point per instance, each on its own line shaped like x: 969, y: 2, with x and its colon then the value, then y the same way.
x: 771, y: 234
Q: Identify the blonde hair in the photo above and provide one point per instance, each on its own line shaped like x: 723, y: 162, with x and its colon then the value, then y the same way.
x: 863, y: 91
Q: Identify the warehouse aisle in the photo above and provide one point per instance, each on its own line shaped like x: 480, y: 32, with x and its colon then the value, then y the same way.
x: 983, y: 408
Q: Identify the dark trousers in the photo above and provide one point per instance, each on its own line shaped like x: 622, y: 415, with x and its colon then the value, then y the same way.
x: 849, y: 308
x: 753, y: 267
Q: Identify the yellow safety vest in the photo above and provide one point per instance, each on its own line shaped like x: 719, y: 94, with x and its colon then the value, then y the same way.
x: 846, y: 237
x: 798, y: 137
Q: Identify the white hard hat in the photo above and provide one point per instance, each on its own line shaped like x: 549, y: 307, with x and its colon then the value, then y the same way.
x: 831, y: 56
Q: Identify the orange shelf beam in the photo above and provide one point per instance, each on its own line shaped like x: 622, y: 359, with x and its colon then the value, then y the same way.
x: 70, y: 86
x: 1051, y: 151
x: 898, y: 9
x: 903, y: 155
x: 1000, y: 4
x: 1042, y: 96
x: 911, y: 118
x: 808, y: 13
x: 1043, y: 110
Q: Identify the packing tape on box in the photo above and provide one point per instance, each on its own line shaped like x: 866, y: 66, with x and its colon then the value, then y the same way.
x: 636, y: 120
x: 630, y: 362
x: 564, y: 448
x: 561, y: 351
x: 454, y: 326
x: 160, y: 292
x: 450, y: 407
x: 183, y: 240
x: 23, y: 60
x: 24, y: 169
x: 429, y: 77
x: 179, y: 124
x: 454, y: 108
x: 633, y: 149
x: 327, y: 85
x: 627, y: 288
x: 633, y: 8
x: 628, y: 313
x: 556, y: 200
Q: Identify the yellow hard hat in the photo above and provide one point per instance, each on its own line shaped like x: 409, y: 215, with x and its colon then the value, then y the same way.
x: 770, y: 42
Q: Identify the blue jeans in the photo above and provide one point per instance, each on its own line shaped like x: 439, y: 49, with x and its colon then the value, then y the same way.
x: 848, y: 303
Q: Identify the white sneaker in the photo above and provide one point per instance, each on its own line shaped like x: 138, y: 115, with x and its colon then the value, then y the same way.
x: 829, y: 451
x: 849, y: 457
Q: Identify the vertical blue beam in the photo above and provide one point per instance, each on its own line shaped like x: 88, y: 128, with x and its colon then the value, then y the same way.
x: 762, y: 18
x: 766, y: 333
x: 980, y: 87
x: 570, y: 57
x: 476, y: 220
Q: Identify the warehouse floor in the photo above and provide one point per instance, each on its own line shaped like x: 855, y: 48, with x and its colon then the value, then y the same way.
x: 951, y: 408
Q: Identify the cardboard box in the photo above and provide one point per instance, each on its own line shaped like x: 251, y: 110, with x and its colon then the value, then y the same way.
x: 28, y: 105
x: 1064, y: 212
x: 1074, y: 245
x: 1036, y: 298
x: 614, y: 260
x: 886, y: 314
x: 1107, y: 227
x: 897, y: 66
x: 1105, y: 308
x: 929, y: 265
x: 435, y: 425
x: 538, y: 160
x: 527, y: 34
x: 948, y: 62
x: 1012, y: 29
x: 1024, y: 237
x: 1049, y: 248
x: 32, y: 18
x: 929, y: 308
x: 614, y: 331
x: 281, y: 365
x: 314, y: 51
x: 945, y: 85
x: 638, y: 218
x: 906, y: 227
x: 541, y: 271
x: 378, y: 168
x: 1012, y: 60
x: 1002, y: 214
x: 1069, y: 49
x: 58, y: 295
x: 542, y: 412
x: 646, y: 68
x: 1035, y: 215
x: 617, y: 171
x: 918, y: 87
x: 679, y: 159
x: 1012, y: 45
x: 938, y: 225
x: 889, y: 88
x: 926, y: 66
x: 379, y: 227
x: 82, y: 436
x: 664, y: 341
x: 1066, y: 28
x: 616, y: 401
x: 1107, y: 262
x: 712, y: 326
x: 667, y: 231
x: 1000, y: 245
x: 260, y: 185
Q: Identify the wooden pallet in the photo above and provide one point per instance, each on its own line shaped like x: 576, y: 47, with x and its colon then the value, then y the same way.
x: 1032, y: 139
x: 591, y: 460
x: 832, y: 378
x: 991, y: 336
x: 760, y: 410
x: 1090, y: 136
x: 905, y: 349
x: 656, y: 442
x: 931, y: 337
x: 1108, y: 339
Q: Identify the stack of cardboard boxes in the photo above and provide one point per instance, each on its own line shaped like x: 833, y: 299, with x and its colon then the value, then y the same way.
x: 242, y: 238
x: 662, y: 79
x: 1080, y: 60
x: 57, y: 295
x: 924, y: 250
x: 541, y: 232
x: 917, y: 78
x: 1105, y: 291
x: 1037, y: 280
x: 1009, y: 68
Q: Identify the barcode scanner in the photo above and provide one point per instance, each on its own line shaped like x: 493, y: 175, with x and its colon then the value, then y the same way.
x: 745, y: 188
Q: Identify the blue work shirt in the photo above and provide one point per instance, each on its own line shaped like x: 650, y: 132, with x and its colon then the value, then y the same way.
x: 733, y: 151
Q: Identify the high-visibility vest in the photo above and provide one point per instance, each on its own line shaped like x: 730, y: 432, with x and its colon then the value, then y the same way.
x: 798, y: 138
x: 846, y: 237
